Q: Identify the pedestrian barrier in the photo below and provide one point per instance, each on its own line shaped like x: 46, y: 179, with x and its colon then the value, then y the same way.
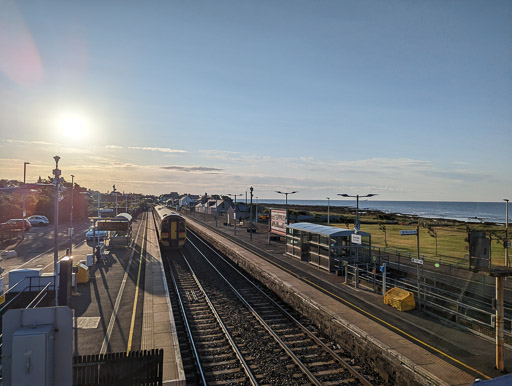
x: 143, y: 367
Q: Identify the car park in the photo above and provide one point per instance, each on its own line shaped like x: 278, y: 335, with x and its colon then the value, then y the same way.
x: 16, y: 224
x: 38, y: 220
x: 93, y: 234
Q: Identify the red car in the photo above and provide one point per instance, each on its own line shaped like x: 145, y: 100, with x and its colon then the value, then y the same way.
x: 16, y: 224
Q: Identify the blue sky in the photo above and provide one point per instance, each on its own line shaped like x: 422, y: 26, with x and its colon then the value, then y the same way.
x: 410, y: 100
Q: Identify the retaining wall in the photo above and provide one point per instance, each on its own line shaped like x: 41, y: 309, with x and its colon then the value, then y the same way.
x: 391, y: 366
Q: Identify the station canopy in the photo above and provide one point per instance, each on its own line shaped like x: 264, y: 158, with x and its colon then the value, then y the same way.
x: 120, y: 223
x: 325, y: 230
x: 125, y: 216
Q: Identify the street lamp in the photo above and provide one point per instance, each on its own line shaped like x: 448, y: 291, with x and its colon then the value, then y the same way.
x: 286, y: 195
x: 357, y: 196
x: 235, y: 195
x: 256, y: 209
x: 328, y: 214
x: 71, y: 216
x: 506, y: 232
x: 250, y: 221
x: 56, y: 173
x: 24, y: 199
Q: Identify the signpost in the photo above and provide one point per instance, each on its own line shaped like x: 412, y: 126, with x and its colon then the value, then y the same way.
x: 417, y: 261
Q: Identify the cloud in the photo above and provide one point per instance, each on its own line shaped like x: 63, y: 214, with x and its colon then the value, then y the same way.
x: 158, y: 149
x: 191, y: 169
x: 147, y: 148
x: 27, y: 142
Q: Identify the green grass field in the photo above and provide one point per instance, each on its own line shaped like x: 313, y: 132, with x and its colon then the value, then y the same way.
x: 451, y: 235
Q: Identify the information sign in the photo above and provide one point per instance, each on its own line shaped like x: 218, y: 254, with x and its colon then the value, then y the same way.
x: 408, y: 232
x: 356, y: 239
x: 417, y: 261
x: 117, y: 226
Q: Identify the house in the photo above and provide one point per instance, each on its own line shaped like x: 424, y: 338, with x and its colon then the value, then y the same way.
x: 218, y: 205
x: 186, y: 201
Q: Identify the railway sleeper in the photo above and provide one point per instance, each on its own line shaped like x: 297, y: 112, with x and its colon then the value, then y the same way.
x: 216, y: 373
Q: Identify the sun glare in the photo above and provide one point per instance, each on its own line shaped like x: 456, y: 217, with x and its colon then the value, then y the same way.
x: 73, y: 126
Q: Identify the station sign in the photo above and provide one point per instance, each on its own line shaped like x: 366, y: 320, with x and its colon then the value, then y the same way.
x: 356, y: 239
x: 408, y: 232
x: 417, y: 261
x: 116, y: 226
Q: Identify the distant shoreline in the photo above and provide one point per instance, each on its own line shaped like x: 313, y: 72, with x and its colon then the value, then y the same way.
x: 340, y: 210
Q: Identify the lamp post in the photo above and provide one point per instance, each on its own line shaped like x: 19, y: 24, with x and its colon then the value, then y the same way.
x: 250, y: 221
x: 235, y: 195
x: 216, y: 214
x: 114, y: 192
x: 328, y: 214
x: 507, y: 262
x: 357, y: 196
x: 256, y: 209
x: 71, y: 216
x: 24, y: 199
x: 56, y: 173
x: 286, y: 197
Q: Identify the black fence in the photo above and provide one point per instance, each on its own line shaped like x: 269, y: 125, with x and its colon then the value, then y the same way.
x: 134, y: 368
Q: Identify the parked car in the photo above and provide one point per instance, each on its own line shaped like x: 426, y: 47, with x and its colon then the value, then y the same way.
x: 102, y: 235
x: 17, y: 224
x: 38, y: 220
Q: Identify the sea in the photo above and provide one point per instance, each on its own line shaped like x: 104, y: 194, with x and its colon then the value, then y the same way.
x: 494, y: 212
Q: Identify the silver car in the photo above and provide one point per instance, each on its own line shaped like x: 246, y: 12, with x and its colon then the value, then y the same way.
x: 38, y: 220
x: 101, y: 235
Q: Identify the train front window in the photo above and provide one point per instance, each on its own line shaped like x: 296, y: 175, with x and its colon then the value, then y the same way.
x: 165, y: 226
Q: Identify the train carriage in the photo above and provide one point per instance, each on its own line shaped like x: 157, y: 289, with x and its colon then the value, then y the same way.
x: 171, y: 227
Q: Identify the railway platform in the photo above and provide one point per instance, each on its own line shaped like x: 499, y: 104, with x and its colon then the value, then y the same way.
x: 125, y: 305
x: 437, y: 353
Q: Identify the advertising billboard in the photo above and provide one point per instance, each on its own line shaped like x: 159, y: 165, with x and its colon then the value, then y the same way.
x: 278, y: 222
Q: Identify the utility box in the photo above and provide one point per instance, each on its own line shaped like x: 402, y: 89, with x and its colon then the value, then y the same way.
x: 32, y: 355
x: 82, y: 275
x: 65, y: 270
x: 400, y: 299
x: 37, y: 346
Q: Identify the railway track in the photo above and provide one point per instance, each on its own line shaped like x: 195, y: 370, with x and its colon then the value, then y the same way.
x: 233, y: 332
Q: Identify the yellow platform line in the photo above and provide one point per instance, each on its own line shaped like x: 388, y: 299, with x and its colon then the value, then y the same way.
x: 373, y: 316
x: 132, y: 325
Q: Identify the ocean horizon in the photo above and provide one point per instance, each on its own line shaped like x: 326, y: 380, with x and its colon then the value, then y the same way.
x: 452, y: 210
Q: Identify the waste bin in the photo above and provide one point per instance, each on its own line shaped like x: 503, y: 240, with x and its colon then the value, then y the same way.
x: 82, y: 275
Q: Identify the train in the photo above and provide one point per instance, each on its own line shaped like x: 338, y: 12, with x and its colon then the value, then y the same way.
x: 171, y: 227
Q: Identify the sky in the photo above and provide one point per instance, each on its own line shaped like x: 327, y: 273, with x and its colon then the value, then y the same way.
x: 408, y: 100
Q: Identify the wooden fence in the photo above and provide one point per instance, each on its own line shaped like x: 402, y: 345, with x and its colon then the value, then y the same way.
x: 134, y: 368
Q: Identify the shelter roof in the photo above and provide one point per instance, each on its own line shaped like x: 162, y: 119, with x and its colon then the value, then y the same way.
x: 124, y: 216
x: 325, y: 230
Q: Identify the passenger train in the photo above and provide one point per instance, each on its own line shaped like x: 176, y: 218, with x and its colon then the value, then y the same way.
x: 171, y: 227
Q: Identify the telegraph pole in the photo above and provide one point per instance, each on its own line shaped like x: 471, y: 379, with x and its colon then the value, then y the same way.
x: 71, y: 216
x: 24, y: 199
x: 250, y: 222
x: 56, y: 173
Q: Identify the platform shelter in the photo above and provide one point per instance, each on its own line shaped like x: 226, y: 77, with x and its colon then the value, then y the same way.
x: 120, y: 229
x: 327, y: 247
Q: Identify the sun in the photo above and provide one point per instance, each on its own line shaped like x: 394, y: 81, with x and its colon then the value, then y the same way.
x: 73, y: 126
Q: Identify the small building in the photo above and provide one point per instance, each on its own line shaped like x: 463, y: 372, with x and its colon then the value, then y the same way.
x: 326, y: 247
x: 186, y: 201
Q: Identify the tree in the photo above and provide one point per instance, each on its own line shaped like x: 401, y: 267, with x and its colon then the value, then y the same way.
x: 382, y: 227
